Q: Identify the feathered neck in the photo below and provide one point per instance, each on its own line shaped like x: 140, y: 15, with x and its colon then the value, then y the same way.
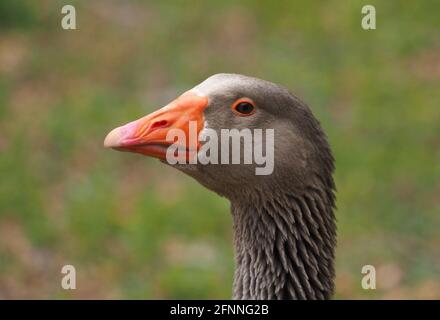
x: 285, y: 246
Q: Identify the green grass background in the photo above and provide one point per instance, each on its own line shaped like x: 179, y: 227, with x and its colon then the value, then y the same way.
x: 134, y: 228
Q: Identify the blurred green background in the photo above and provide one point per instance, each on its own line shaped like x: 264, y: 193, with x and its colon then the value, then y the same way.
x: 134, y: 228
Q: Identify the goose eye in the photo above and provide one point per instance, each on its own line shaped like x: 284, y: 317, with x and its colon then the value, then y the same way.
x: 243, y: 107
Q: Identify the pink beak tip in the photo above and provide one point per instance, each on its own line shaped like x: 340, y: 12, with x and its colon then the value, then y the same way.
x: 113, y: 139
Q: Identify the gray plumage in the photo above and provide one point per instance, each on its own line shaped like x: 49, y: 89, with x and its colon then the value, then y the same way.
x: 284, y: 225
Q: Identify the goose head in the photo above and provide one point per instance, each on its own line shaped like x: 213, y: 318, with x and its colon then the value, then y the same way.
x: 283, y: 207
x: 283, y: 133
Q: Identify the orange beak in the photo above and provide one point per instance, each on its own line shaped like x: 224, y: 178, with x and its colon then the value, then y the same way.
x: 148, y: 135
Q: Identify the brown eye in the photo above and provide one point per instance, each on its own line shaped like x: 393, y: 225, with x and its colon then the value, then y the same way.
x: 243, y: 107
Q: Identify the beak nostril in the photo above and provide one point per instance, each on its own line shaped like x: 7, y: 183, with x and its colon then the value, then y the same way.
x: 159, y: 124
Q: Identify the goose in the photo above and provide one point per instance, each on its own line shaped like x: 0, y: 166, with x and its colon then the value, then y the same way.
x: 284, y: 223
